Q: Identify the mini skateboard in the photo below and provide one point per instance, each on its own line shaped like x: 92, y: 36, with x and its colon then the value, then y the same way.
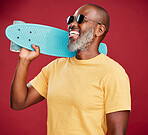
x: 52, y: 41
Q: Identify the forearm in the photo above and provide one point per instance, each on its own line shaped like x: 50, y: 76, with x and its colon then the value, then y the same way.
x: 117, y: 132
x: 19, y: 85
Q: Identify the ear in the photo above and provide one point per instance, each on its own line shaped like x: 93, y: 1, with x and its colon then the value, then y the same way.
x: 100, y: 30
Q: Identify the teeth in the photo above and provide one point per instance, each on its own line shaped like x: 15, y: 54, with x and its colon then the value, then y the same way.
x: 74, y: 33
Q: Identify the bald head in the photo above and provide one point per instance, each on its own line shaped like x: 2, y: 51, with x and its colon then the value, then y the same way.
x: 99, y: 14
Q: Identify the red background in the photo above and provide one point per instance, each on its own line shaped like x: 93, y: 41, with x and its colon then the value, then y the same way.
x: 127, y: 44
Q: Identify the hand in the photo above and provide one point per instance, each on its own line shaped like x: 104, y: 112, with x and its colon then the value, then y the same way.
x: 29, y: 55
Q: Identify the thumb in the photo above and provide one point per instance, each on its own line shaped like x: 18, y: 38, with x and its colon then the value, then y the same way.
x: 36, y: 48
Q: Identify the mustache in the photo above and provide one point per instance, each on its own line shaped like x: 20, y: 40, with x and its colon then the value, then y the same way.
x: 70, y: 28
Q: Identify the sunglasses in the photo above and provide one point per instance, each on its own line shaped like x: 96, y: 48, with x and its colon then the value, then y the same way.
x: 80, y: 19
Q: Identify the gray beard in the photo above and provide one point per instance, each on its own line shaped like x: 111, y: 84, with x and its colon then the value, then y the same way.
x: 82, y: 42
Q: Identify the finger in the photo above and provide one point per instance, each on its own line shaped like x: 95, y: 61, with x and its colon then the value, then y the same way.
x: 33, y: 46
x: 36, y: 48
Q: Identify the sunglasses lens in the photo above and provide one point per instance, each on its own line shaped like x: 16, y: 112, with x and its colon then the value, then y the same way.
x: 80, y: 18
x: 70, y: 19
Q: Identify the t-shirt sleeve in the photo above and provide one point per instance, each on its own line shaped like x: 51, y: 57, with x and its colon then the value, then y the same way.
x: 40, y: 82
x: 117, y: 91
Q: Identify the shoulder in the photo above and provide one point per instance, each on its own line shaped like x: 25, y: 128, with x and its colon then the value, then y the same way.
x: 111, y: 65
x: 114, y: 71
x: 62, y: 60
x: 56, y: 62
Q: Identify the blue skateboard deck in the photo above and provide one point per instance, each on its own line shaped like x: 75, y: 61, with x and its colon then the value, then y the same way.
x: 52, y: 41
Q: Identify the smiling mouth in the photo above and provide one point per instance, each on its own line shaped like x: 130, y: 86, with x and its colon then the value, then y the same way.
x: 74, y: 34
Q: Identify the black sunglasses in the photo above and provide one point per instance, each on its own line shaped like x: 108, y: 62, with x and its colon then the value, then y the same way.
x: 80, y: 19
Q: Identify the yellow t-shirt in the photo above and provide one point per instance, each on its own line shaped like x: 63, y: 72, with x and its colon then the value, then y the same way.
x: 80, y: 93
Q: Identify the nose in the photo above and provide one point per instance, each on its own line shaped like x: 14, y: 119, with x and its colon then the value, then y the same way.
x: 72, y: 25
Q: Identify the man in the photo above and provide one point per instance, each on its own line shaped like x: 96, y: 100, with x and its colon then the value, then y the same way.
x: 87, y: 94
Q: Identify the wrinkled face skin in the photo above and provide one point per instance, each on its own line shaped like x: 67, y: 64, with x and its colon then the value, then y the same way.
x: 81, y: 35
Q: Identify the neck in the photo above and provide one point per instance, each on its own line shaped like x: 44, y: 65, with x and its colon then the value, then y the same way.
x: 88, y: 53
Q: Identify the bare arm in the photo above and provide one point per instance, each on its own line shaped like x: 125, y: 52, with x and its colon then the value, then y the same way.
x: 117, y: 122
x: 21, y: 95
